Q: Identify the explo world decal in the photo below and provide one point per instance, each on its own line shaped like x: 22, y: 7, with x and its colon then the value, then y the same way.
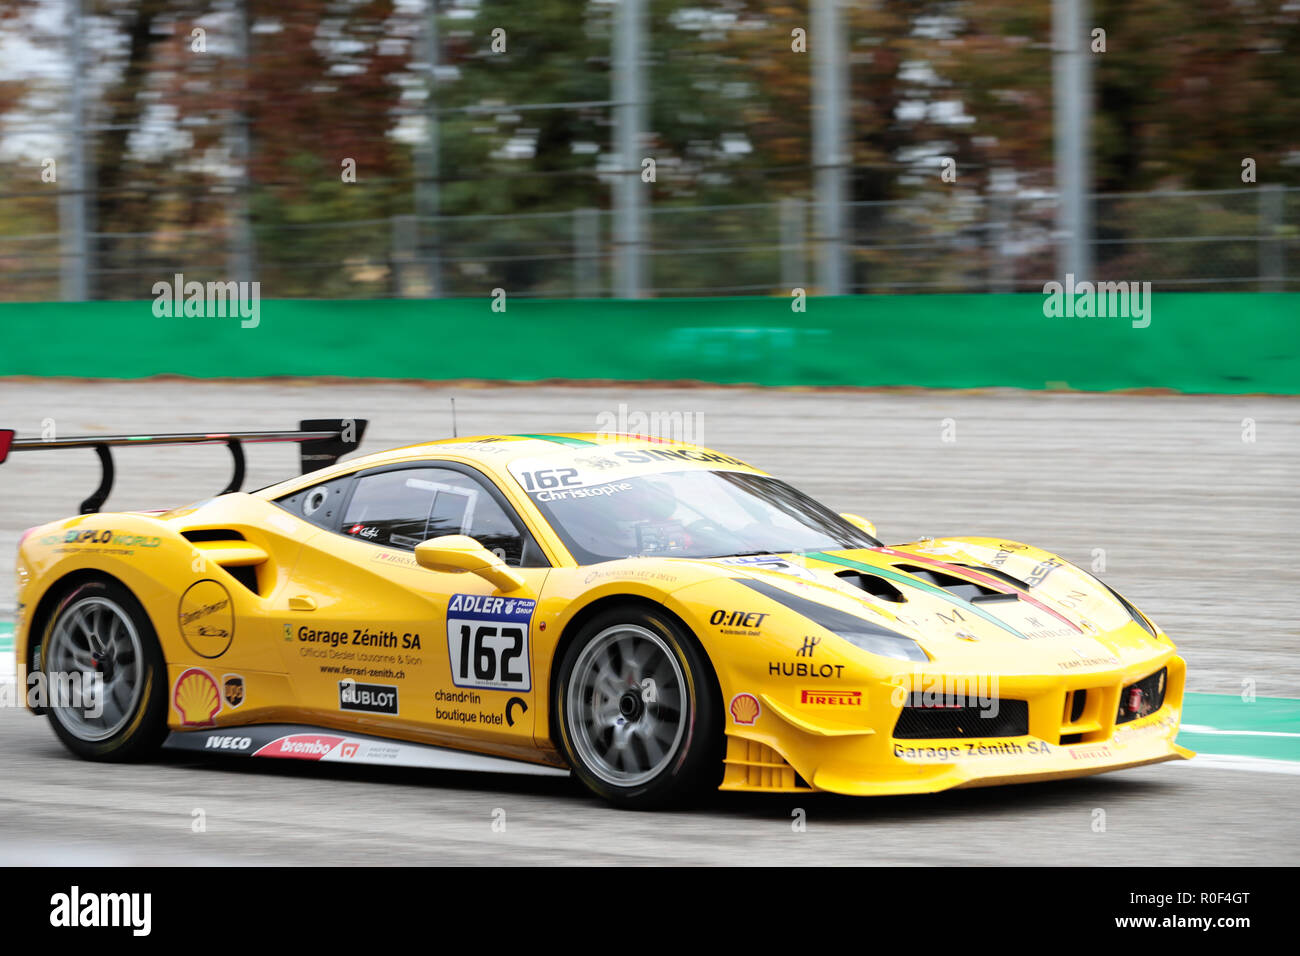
x: 102, y: 536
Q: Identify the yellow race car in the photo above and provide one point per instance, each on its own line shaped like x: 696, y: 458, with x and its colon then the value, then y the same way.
x: 658, y: 618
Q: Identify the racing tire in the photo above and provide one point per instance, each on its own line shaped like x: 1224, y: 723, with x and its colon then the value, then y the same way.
x: 99, y: 634
x: 638, y: 711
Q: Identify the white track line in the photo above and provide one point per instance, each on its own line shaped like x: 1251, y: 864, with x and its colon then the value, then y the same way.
x: 1203, y: 729
x: 1249, y: 764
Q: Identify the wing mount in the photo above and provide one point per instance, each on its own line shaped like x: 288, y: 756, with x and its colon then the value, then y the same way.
x: 322, y: 442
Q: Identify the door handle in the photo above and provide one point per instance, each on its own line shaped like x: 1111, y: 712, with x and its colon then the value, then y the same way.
x: 302, y: 603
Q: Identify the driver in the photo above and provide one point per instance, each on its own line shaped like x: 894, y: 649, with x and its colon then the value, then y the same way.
x: 635, y: 521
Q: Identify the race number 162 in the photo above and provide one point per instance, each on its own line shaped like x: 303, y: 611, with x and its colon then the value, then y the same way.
x: 488, y: 655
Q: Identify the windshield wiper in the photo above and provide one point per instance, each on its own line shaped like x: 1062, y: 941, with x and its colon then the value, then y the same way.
x: 754, y: 554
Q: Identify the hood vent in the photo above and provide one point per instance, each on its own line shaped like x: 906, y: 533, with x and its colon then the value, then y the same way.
x: 1014, y: 581
x: 875, y: 586
x: 967, y: 590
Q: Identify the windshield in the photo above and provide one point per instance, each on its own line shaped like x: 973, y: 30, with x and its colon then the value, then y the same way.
x: 692, y: 514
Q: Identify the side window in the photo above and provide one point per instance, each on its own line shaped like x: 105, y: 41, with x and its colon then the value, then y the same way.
x: 403, y: 508
x: 319, y: 504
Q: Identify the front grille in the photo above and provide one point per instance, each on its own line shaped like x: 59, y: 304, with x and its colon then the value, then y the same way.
x: 1142, y: 698
x: 1009, y: 718
x: 1078, y: 701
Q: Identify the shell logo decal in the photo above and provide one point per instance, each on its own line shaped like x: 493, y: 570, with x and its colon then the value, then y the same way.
x: 196, y: 698
x: 745, y: 708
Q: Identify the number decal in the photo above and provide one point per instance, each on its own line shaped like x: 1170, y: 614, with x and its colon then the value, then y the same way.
x: 465, y: 632
x: 485, y: 662
x: 513, y: 653
x: 487, y: 641
x: 549, y: 478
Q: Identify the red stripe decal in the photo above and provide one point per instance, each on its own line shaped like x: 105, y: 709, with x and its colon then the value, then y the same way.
x: 996, y: 583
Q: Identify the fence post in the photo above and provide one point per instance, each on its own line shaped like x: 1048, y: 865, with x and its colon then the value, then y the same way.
x: 427, y: 244
x: 241, y: 254
x: 1270, y: 239
x: 793, y: 225
x: 629, y: 46
x: 586, y: 250
x: 75, y: 193
x: 1001, y: 275
x: 830, y: 153
x: 402, y: 254
x: 1072, y: 124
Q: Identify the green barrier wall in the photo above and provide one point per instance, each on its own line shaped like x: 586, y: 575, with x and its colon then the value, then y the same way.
x: 1196, y: 342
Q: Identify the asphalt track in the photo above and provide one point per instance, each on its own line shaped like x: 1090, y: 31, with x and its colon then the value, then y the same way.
x: 1195, y: 524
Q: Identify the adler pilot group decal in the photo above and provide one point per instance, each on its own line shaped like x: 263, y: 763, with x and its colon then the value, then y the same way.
x: 487, y: 641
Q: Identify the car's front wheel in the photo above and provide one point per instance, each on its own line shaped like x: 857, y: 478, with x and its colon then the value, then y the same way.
x: 105, y: 680
x: 637, y: 709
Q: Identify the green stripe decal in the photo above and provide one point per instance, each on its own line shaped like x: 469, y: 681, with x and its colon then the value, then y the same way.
x: 1225, y: 724
x: 6, y: 636
x: 559, y: 440
x: 910, y: 581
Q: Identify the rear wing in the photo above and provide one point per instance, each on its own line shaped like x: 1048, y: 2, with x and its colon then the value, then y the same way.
x: 322, y: 442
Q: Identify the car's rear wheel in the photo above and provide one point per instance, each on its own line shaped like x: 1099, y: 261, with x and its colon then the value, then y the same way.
x: 105, y: 679
x: 638, y: 712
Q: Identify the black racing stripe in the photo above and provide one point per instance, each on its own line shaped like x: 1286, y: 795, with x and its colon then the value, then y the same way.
x: 828, y: 617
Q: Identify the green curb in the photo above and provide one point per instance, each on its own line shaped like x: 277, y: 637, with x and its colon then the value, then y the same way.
x: 1225, y: 724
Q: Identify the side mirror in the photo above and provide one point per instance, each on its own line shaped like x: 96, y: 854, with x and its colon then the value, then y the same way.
x: 457, y: 553
x: 861, y: 523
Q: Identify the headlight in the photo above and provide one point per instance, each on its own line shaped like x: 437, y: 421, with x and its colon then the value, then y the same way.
x: 884, y: 642
x: 858, y: 631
